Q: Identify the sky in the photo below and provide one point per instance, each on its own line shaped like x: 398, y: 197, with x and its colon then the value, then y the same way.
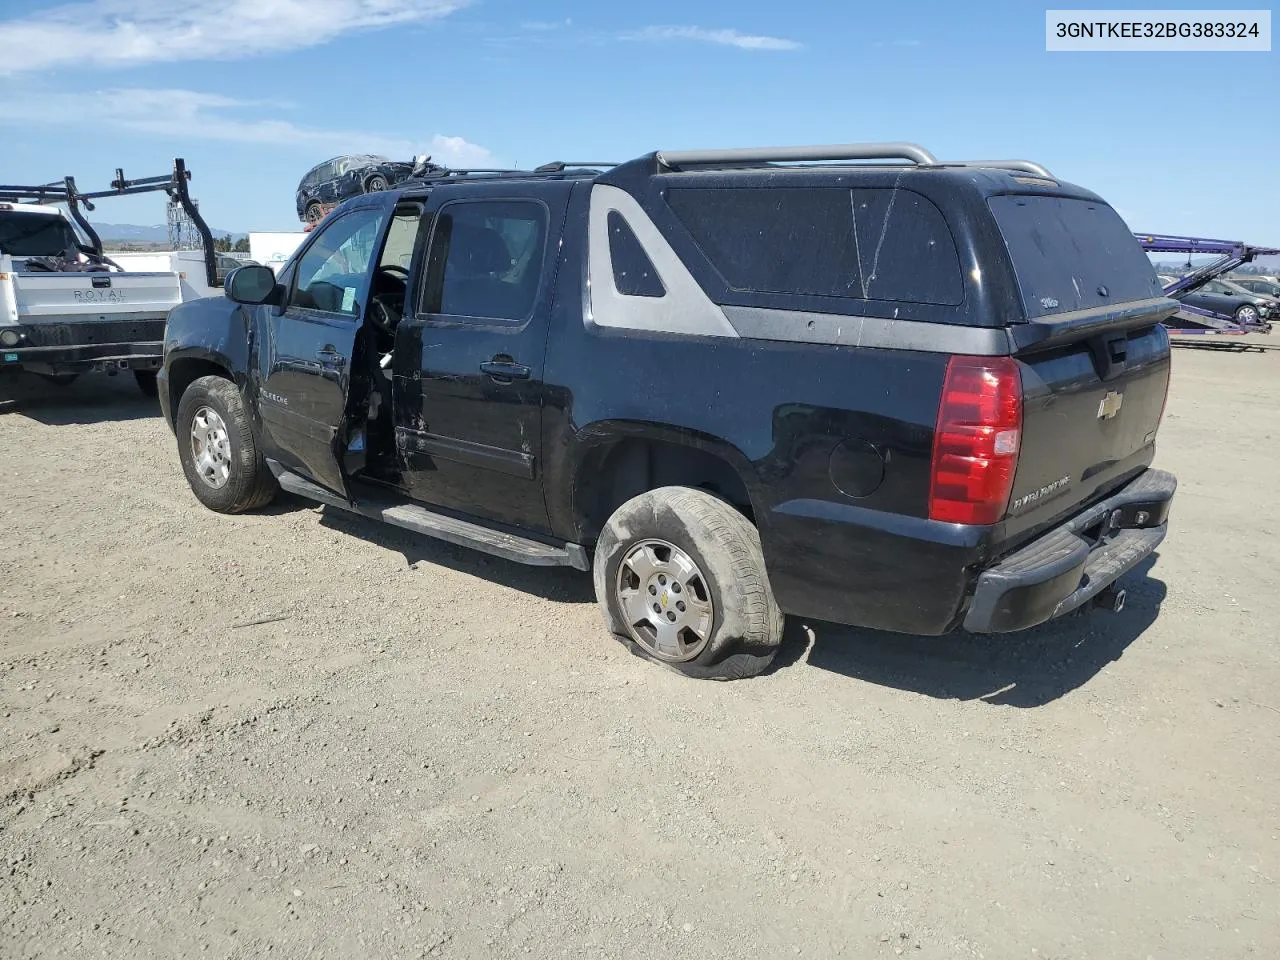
x: 252, y: 93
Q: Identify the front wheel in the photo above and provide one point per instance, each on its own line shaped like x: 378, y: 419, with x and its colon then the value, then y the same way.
x: 1247, y: 315
x: 218, y: 451
x: 376, y: 184
x: 680, y: 577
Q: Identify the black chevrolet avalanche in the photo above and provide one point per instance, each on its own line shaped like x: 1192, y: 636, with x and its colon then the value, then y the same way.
x: 851, y: 383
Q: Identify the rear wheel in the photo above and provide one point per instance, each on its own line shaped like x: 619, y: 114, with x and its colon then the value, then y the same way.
x: 376, y: 184
x: 146, y: 382
x: 680, y: 578
x: 218, y: 451
x: 314, y: 212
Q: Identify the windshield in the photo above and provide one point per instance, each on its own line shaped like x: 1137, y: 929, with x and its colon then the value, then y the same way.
x: 27, y: 234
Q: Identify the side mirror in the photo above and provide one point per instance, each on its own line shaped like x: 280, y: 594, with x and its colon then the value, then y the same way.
x: 253, y: 285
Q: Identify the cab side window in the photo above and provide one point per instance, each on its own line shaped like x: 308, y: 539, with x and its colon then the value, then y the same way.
x: 486, y: 259
x: 331, y: 273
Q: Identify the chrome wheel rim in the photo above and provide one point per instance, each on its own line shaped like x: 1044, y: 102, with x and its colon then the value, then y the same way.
x: 210, y: 447
x: 665, y: 601
x: 1248, y: 315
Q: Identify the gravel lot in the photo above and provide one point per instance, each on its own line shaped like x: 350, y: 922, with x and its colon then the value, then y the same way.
x: 297, y: 734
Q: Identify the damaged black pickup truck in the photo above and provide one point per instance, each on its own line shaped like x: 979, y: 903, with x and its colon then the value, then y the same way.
x: 850, y: 383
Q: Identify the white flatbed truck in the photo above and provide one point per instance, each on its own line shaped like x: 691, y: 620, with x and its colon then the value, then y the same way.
x: 65, y: 308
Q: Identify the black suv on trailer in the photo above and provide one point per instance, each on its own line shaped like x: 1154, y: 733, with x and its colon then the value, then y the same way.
x: 910, y: 396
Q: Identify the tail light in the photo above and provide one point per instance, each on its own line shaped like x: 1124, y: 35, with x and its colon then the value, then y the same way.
x: 976, y: 440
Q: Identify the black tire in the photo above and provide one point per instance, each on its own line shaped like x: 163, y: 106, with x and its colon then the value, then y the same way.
x: 314, y: 212
x: 1246, y: 313
x: 60, y: 379
x: 747, y: 624
x: 146, y: 380
x: 249, y: 483
x: 376, y: 184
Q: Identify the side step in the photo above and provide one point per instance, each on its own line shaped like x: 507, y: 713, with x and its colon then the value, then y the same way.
x: 412, y: 516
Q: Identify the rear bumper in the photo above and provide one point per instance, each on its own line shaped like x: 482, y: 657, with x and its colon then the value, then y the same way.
x: 1071, y: 564
x: 55, y: 346
x: 80, y: 359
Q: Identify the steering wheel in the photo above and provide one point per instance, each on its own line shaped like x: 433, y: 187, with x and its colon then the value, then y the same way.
x: 395, y: 268
x: 381, y: 316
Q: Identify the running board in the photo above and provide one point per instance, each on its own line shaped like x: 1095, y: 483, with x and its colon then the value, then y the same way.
x: 412, y: 516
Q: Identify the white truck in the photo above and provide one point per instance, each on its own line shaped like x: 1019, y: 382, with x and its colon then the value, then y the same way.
x: 65, y: 308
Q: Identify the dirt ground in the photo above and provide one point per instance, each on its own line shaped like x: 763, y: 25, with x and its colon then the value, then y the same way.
x: 297, y: 734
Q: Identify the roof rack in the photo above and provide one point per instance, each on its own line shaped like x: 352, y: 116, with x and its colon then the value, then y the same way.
x: 174, y: 185
x: 912, y: 152
x: 559, y: 166
x: 847, y: 151
x: 1021, y: 166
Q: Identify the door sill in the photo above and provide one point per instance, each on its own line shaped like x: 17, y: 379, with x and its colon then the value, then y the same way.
x: 417, y: 518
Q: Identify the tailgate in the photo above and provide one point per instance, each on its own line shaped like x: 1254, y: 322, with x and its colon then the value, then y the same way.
x: 1093, y: 355
x: 1091, y: 407
x: 91, y: 295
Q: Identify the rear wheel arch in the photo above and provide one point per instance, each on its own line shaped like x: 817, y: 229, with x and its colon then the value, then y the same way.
x: 618, y: 465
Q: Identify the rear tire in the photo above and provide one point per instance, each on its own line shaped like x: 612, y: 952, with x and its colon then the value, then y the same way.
x: 219, y: 454
x: 686, y: 543
x: 376, y: 184
x: 314, y: 212
x: 146, y: 380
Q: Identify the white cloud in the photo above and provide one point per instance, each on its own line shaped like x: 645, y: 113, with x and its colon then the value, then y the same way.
x: 724, y: 37
x: 190, y: 114
x: 117, y: 33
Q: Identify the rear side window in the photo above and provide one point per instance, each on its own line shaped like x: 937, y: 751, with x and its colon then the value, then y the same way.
x: 1072, y: 254
x: 485, y: 259
x: 863, y: 244
x: 633, y: 272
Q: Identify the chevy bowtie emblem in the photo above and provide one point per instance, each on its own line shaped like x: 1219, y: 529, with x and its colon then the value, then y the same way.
x: 1110, y: 405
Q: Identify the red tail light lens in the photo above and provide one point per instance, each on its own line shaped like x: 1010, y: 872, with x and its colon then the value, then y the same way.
x: 976, y: 440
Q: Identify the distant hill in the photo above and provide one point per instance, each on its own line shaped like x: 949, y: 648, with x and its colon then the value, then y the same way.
x: 159, y: 233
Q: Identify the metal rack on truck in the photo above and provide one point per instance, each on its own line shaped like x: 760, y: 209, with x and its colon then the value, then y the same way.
x: 1193, y: 320
x: 65, y: 307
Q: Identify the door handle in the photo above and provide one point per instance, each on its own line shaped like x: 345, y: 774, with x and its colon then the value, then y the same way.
x: 504, y: 371
x: 330, y: 357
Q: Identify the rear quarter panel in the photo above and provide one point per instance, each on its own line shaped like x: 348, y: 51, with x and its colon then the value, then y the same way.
x: 776, y: 412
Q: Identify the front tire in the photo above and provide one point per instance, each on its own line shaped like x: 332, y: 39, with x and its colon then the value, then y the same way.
x: 314, y: 212
x: 680, y: 577
x: 1246, y: 315
x: 219, y: 454
x: 376, y: 184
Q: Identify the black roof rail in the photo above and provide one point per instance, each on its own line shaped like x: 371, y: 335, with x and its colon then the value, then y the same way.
x: 559, y: 166
x: 847, y: 151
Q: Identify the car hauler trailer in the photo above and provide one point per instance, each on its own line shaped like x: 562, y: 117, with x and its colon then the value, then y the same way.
x: 1193, y: 320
